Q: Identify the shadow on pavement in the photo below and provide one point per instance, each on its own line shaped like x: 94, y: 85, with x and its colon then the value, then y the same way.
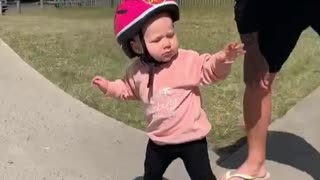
x: 282, y: 147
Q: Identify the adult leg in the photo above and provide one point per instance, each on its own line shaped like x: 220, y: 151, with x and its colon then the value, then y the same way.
x: 257, y: 105
x: 266, y: 53
x: 258, y: 80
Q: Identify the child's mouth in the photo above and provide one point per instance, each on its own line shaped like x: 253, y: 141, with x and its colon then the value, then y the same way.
x: 167, y: 54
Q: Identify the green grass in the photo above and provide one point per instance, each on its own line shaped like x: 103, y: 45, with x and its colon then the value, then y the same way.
x: 71, y: 46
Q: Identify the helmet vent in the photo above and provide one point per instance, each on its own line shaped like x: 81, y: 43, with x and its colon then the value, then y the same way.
x: 122, y: 11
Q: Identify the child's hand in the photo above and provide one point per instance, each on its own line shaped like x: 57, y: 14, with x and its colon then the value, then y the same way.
x: 101, y: 83
x: 233, y: 50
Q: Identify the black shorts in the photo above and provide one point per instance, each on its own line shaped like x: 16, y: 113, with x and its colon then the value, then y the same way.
x: 278, y: 23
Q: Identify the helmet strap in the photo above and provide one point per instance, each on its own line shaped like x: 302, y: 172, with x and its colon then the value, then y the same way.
x: 145, y: 56
x: 149, y: 60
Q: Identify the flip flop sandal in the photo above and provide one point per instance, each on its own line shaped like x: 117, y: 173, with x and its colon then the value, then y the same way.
x: 246, y: 177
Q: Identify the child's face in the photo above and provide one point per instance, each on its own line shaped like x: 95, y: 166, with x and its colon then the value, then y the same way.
x: 160, y: 38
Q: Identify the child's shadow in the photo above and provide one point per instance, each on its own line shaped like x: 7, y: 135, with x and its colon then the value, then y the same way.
x: 282, y: 147
x: 141, y: 178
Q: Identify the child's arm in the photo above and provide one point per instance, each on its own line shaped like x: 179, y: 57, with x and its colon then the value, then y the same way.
x: 217, y: 67
x: 122, y: 89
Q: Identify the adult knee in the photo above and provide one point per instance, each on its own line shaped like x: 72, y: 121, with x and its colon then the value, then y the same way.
x: 259, y: 82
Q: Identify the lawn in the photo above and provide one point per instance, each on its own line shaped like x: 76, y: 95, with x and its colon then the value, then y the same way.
x: 70, y: 46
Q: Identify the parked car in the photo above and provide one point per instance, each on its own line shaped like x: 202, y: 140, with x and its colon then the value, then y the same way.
x: 4, y: 6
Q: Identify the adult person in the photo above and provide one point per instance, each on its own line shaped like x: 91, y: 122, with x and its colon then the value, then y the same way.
x: 270, y: 30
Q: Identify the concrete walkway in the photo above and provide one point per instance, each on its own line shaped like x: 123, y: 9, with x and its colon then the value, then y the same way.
x: 44, y: 132
x: 293, y: 145
x: 47, y: 134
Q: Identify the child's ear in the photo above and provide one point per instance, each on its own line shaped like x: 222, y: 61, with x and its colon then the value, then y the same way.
x: 136, y: 46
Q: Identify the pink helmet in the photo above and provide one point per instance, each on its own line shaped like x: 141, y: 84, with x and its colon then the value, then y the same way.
x: 131, y: 15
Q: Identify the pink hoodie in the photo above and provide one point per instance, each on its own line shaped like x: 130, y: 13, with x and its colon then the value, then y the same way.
x: 174, y: 113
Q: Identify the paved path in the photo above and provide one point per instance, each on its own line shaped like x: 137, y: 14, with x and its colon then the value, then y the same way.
x: 294, y: 143
x: 47, y: 134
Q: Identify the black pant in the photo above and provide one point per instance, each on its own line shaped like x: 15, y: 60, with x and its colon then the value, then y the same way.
x: 194, y: 155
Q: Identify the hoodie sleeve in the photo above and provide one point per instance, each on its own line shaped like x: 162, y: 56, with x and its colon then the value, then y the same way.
x: 214, y: 67
x: 123, y: 89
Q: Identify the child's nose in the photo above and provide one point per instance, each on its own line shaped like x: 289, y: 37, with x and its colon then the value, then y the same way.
x: 166, y: 44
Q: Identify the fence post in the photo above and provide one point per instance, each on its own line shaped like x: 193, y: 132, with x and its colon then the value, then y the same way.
x: 19, y: 6
x: 0, y: 8
x: 60, y: 3
x: 112, y: 3
x: 41, y: 4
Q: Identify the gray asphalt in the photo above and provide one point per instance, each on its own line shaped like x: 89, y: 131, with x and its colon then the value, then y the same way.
x: 47, y: 134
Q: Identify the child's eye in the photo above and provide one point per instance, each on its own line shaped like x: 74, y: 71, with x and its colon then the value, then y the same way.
x: 156, y: 40
x: 171, y: 34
